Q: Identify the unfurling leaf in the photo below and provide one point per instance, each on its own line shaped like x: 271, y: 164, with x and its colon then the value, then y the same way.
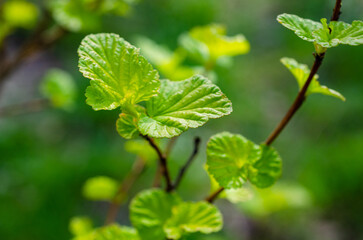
x: 182, y: 105
x: 59, y: 87
x: 111, y: 232
x: 230, y: 157
x: 119, y: 74
x: 150, y: 210
x: 301, y: 73
x: 100, y: 188
x: 324, y: 34
x: 232, y: 160
x: 192, y: 217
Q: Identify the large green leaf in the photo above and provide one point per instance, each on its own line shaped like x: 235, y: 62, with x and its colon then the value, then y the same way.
x: 301, y: 73
x: 267, y: 169
x: 302, y: 27
x: 119, y: 74
x: 100, y: 188
x: 111, y: 232
x: 150, y: 210
x: 182, y: 105
x: 193, y: 217
x: 60, y: 88
x: 230, y: 158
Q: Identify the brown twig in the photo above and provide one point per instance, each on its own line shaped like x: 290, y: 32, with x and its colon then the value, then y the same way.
x: 24, y: 108
x: 299, y: 100
x: 163, y: 163
x: 187, y: 164
x: 137, y: 168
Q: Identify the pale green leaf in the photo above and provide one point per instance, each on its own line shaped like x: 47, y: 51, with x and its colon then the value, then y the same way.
x: 119, y: 74
x: 301, y: 73
x: 100, y: 188
x: 267, y: 169
x: 126, y: 126
x: 230, y: 158
x: 189, y: 217
x: 214, y: 38
x: 302, y: 27
x: 79, y: 226
x: 150, y: 210
x: 19, y: 13
x: 182, y: 105
x: 60, y: 88
x: 111, y: 232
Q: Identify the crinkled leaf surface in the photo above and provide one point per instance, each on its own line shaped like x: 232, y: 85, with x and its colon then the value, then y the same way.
x: 182, y: 105
x: 119, y: 74
x: 267, y: 169
x: 100, y: 188
x: 149, y: 211
x: 324, y: 34
x: 111, y: 232
x: 126, y: 126
x: 301, y: 73
x: 193, y: 217
x: 230, y: 158
x: 60, y: 88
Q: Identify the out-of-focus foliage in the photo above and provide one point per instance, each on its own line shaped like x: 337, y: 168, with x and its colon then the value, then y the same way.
x: 110, y: 232
x: 79, y: 226
x: 19, y: 13
x: 100, y: 188
x: 60, y: 88
x: 142, y: 149
x: 301, y: 73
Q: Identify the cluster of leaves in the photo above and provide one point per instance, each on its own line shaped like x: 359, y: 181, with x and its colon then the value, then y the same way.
x: 199, y: 52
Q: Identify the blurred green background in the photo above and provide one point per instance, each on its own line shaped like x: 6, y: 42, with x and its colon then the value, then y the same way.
x: 45, y: 157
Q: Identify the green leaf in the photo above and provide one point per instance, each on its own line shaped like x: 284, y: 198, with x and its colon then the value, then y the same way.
x: 302, y: 27
x: 111, y: 232
x: 119, y: 74
x: 60, y: 88
x: 230, y: 158
x: 192, y: 217
x: 301, y: 73
x: 183, y: 105
x: 267, y: 169
x: 80, y: 226
x: 100, y: 188
x: 218, y: 44
x: 126, y: 126
x: 142, y: 149
x: 19, y: 13
x: 149, y: 211
x: 335, y: 33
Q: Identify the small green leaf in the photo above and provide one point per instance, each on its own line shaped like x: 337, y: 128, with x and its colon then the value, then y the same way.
x: 100, y: 188
x: 111, y: 232
x: 142, y: 149
x: 267, y: 169
x: 302, y: 27
x: 126, y: 126
x: 80, y: 226
x: 149, y: 211
x: 218, y: 44
x: 301, y: 73
x: 230, y: 158
x: 192, y: 217
x: 19, y: 13
x: 182, y: 105
x: 119, y: 74
x: 60, y: 88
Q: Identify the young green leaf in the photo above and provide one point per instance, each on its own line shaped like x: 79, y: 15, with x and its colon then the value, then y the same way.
x: 100, y: 188
x: 301, y: 73
x: 267, y: 169
x: 119, y: 74
x: 214, y: 38
x: 126, y: 126
x: 183, y: 105
x: 192, y: 217
x: 150, y: 210
x: 79, y: 226
x: 59, y: 87
x: 230, y: 158
x: 111, y: 232
x: 302, y: 27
